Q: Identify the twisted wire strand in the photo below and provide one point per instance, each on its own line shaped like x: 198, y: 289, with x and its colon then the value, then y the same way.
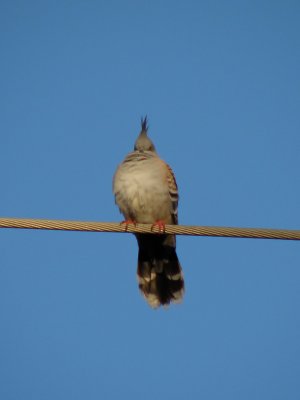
x: 87, y: 226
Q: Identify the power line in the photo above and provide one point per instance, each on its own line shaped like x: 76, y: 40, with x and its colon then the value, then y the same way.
x: 88, y: 226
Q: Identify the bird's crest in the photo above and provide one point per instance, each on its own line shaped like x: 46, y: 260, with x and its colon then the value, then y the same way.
x: 144, y: 124
x: 143, y: 142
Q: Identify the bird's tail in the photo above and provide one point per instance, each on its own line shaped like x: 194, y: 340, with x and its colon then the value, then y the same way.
x: 159, y: 272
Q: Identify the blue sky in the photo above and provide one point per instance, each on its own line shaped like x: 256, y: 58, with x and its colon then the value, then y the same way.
x: 220, y: 84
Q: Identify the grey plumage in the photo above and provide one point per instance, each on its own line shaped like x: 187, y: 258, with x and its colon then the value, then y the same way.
x: 146, y: 192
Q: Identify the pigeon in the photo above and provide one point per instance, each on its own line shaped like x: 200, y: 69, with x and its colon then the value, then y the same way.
x: 146, y: 192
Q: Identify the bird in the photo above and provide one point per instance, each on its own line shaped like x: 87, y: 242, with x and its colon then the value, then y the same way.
x: 146, y: 192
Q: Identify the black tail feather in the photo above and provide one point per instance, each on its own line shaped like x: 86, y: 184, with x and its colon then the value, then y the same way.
x: 159, y: 272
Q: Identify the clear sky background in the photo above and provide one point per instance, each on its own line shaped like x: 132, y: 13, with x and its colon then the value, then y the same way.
x: 220, y: 83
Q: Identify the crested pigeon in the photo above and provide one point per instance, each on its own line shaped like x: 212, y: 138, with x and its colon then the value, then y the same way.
x: 146, y: 192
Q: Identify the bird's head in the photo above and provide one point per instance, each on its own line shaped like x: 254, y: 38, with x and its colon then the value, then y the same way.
x: 143, y: 143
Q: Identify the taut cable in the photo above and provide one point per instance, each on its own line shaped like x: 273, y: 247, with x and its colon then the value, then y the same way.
x: 87, y: 226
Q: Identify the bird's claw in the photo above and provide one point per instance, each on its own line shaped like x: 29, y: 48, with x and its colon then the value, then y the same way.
x: 128, y: 222
x: 161, y: 226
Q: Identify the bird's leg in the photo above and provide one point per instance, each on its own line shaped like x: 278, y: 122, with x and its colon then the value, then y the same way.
x: 128, y: 222
x: 161, y: 226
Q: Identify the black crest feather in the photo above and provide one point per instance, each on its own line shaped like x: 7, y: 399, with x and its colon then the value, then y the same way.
x: 144, y: 123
